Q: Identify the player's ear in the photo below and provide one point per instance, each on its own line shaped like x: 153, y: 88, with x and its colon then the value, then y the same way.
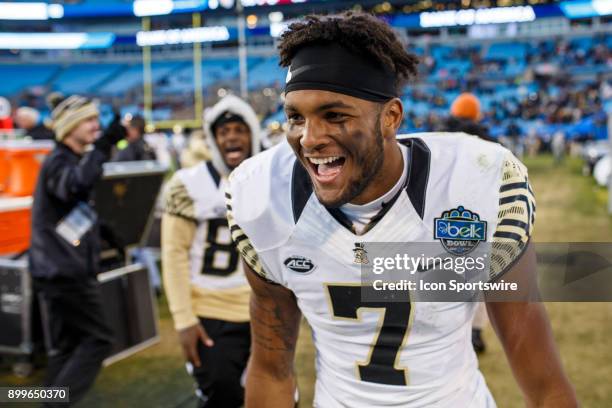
x: 391, y: 117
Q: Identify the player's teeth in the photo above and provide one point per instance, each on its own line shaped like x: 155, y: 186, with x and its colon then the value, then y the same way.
x: 323, y: 160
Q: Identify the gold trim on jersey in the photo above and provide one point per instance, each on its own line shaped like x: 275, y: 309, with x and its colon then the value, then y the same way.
x: 242, y: 242
x: 177, y: 200
x: 515, y: 218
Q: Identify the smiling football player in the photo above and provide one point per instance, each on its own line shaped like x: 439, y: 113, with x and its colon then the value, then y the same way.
x: 300, y: 213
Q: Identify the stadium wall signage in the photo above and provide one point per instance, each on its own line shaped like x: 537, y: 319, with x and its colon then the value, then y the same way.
x: 497, y: 15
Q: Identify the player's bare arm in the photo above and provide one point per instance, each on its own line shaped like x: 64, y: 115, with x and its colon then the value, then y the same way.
x: 525, y: 333
x: 275, y: 323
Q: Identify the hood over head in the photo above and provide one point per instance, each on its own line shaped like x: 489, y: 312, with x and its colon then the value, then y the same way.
x: 237, y: 106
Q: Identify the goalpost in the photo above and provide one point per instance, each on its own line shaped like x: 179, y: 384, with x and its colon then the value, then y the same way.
x: 196, y: 121
x: 610, y: 177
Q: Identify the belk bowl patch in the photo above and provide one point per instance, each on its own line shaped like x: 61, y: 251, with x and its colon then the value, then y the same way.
x: 460, y: 230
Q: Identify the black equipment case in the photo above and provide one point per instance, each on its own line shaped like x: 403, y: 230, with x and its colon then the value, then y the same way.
x: 125, y: 200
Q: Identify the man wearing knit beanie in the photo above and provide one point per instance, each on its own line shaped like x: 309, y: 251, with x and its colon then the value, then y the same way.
x: 65, y: 246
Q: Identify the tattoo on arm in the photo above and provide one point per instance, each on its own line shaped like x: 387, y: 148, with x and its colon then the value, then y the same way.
x: 275, y: 320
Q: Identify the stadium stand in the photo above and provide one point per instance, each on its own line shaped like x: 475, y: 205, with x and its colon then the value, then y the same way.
x: 85, y: 78
x: 25, y: 76
x: 132, y: 76
x: 541, y: 86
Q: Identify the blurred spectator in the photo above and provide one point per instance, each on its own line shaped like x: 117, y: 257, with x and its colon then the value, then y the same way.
x: 28, y: 119
x: 65, y: 246
x: 273, y: 134
x: 465, y: 116
x: 606, y: 89
x: 558, y: 146
x: 137, y: 148
x: 532, y: 143
x: 5, y: 114
x: 513, y: 141
x: 196, y: 151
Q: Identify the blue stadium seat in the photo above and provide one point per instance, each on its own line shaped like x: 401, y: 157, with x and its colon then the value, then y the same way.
x: 420, y: 51
x: 505, y: 51
x: 587, y: 69
x: 267, y: 73
x: 584, y: 43
x: 84, y: 78
x: 16, y: 78
x: 515, y: 69
x: 222, y: 71
x: 133, y: 76
x: 452, y: 68
x: 439, y: 52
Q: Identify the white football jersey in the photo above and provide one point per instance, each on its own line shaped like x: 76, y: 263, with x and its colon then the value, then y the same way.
x: 214, y: 261
x: 411, y: 354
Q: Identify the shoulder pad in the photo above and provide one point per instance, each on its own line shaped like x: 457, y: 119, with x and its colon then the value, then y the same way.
x: 259, y: 197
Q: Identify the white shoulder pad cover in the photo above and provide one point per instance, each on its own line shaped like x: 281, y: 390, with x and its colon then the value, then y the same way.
x: 465, y: 170
x: 260, y: 196
x: 202, y: 189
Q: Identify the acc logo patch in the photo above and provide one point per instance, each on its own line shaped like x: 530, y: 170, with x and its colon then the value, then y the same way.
x: 460, y: 230
x: 299, y: 264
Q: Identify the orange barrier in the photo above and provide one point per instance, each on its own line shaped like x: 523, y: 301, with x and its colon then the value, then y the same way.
x: 15, y: 219
x: 4, y: 170
x: 20, y: 162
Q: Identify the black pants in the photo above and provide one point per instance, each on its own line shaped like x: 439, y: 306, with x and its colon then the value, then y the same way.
x: 222, y: 366
x: 77, y: 335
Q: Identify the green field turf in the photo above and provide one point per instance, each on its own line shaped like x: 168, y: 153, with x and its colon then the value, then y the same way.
x: 570, y: 208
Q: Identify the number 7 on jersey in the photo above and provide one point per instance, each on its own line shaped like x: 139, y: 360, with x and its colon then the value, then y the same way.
x: 382, y: 364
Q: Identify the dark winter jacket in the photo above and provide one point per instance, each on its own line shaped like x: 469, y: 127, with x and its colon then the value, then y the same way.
x: 135, y: 151
x: 470, y: 127
x: 65, y: 179
x: 41, y: 132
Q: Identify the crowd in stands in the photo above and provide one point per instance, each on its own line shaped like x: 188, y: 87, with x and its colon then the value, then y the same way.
x: 559, y: 85
x: 536, y: 88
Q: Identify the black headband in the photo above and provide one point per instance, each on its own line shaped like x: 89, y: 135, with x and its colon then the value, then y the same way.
x: 331, y: 67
